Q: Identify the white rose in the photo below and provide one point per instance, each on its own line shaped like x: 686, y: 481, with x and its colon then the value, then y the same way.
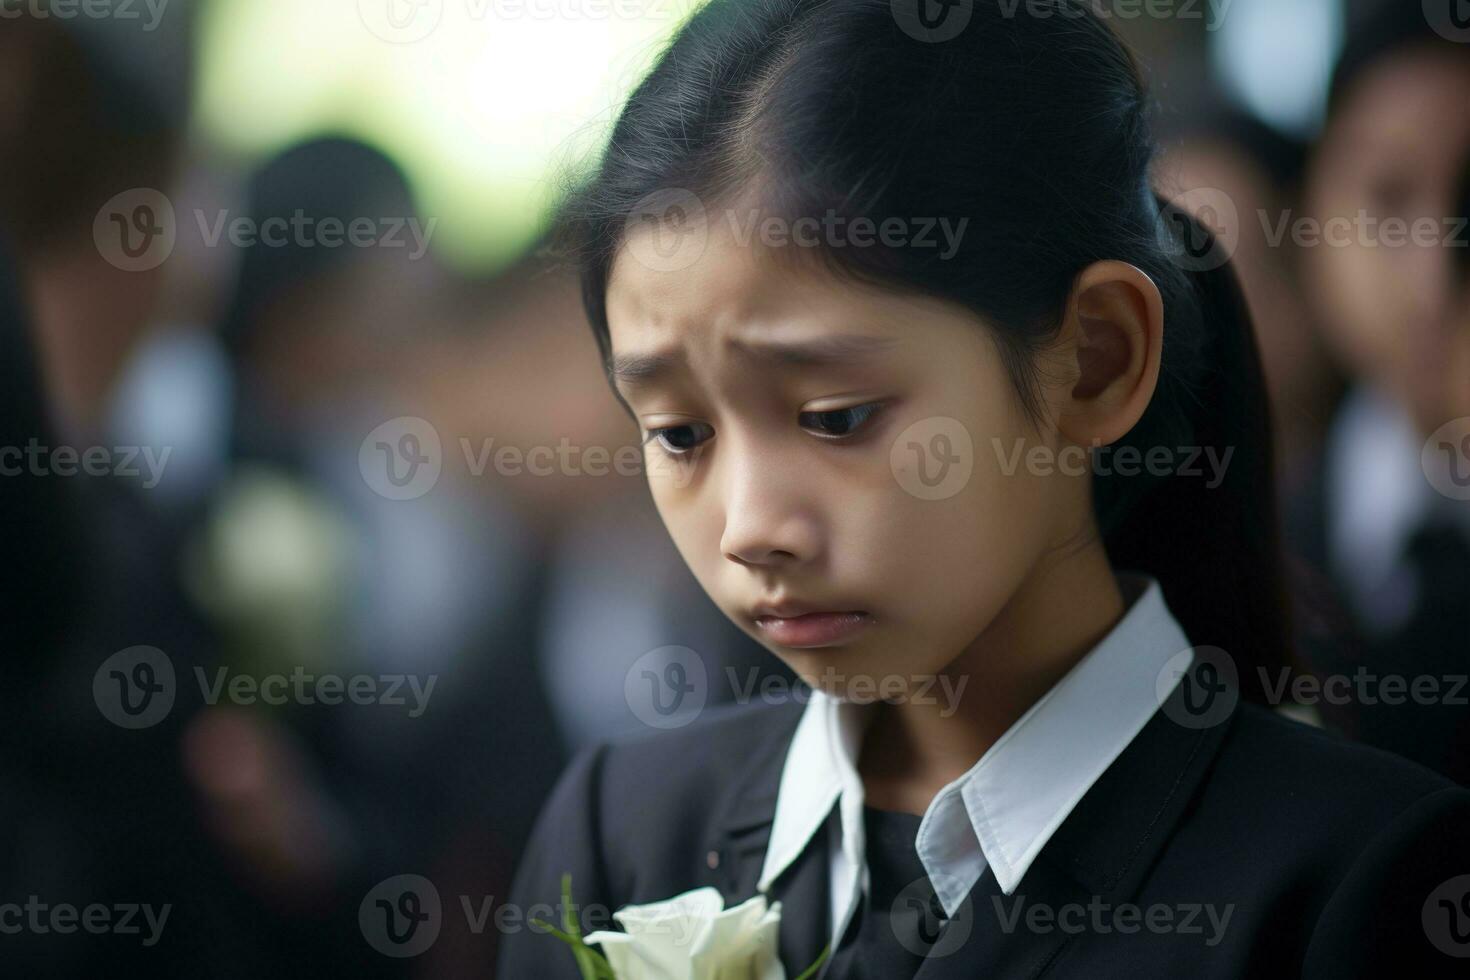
x: 694, y: 937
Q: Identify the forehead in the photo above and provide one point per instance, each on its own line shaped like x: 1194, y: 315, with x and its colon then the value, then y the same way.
x: 779, y: 304
x: 1415, y: 97
x: 719, y: 287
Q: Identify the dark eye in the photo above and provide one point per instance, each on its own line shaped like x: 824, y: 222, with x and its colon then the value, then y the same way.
x: 838, y: 422
x: 1391, y: 194
x: 678, y: 440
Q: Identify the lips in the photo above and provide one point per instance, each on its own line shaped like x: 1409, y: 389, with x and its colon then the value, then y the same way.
x: 797, y: 624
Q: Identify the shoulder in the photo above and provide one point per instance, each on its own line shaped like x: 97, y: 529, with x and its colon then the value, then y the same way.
x: 726, y: 741
x: 663, y: 793
x: 1294, y: 769
x: 1360, y: 839
x: 655, y: 798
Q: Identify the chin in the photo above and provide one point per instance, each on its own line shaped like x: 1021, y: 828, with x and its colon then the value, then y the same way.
x: 843, y: 672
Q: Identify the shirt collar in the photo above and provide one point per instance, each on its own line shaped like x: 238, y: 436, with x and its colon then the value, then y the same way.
x: 1007, y: 806
x: 1378, y: 495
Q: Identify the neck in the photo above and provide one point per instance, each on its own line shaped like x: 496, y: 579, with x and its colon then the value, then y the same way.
x: 913, y: 748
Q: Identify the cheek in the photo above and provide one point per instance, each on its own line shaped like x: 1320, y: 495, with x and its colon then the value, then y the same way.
x: 1358, y: 298
x: 959, y: 560
x: 948, y: 565
x: 689, y: 522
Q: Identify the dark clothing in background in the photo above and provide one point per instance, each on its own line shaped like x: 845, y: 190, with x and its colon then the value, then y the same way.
x: 1375, y: 661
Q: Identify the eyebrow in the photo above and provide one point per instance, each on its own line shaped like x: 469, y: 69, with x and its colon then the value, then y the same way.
x: 642, y: 370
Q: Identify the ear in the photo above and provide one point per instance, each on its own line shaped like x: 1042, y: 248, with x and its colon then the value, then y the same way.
x: 1110, y: 344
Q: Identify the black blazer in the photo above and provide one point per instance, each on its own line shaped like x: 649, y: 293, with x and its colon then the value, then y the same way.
x: 1330, y: 858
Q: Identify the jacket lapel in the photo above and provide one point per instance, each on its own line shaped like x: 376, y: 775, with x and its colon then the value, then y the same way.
x: 742, y: 834
x: 1102, y: 852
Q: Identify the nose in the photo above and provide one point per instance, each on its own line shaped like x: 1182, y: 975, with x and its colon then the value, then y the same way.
x: 768, y: 518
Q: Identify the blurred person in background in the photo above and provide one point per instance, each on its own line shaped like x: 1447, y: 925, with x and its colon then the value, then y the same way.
x: 308, y: 553
x: 98, y: 812
x: 1387, y: 518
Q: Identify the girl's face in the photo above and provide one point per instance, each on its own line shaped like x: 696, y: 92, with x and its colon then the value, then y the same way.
x: 838, y: 448
x: 1395, y: 304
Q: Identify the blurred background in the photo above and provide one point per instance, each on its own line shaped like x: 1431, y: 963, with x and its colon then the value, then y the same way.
x: 328, y: 542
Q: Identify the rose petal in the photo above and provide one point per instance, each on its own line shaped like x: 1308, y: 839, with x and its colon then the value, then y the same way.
x: 665, y: 933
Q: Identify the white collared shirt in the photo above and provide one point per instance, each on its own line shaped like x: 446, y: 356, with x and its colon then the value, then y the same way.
x: 1007, y: 806
x: 1377, y: 497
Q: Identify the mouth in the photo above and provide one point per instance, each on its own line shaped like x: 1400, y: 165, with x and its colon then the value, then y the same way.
x: 792, y: 626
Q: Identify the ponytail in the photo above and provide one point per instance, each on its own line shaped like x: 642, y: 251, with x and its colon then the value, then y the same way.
x: 1214, y: 546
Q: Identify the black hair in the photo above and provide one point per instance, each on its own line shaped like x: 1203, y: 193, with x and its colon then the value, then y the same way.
x: 1032, y: 122
x: 325, y: 178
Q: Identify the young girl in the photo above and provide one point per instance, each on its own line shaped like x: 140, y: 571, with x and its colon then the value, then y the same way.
x: 947, y: 411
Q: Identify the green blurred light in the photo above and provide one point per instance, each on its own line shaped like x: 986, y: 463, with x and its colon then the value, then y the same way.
x: 481, y: 113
